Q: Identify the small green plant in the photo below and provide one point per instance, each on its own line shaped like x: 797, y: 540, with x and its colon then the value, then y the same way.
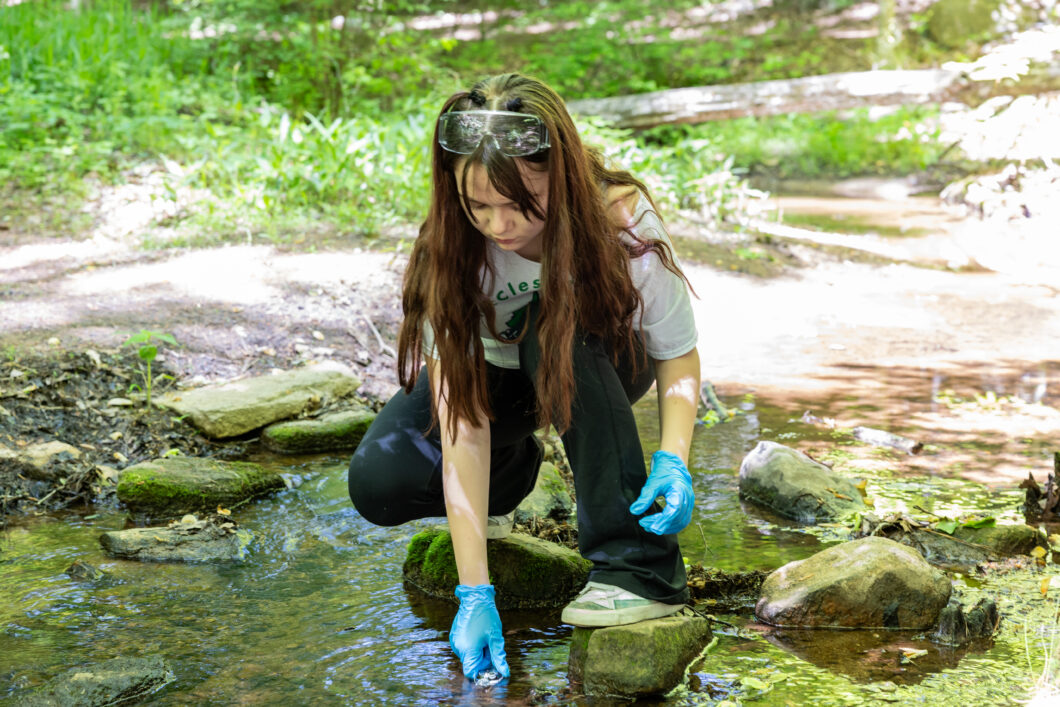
x: 147, y: 353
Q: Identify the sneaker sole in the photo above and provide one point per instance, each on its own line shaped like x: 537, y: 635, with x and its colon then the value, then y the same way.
x: 498, y: 532
x: 599, y: 618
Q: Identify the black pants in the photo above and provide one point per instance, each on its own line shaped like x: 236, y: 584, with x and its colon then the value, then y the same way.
x: 396, y: 473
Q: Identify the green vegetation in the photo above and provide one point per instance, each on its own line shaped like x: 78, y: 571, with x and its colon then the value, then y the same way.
x: 270, y: 120
x: 148, y: 351
x: 819, y: 145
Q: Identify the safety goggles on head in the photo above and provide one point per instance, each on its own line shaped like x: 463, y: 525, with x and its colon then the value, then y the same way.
x: 514, y: 134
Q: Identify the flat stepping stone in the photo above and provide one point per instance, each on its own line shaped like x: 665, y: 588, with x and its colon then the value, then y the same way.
x: 238, y: 407
x: 332, y: 432
x: 867, y: 583
x: 116, y: 681
x: 176, y: 485
x: 640, y: 659
x: 795, y: 486
x: 186, y: 541
x: 527, y: 573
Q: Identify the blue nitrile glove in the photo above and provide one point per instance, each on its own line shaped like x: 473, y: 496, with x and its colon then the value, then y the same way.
x: 670, y: 479
x: 476, y: 635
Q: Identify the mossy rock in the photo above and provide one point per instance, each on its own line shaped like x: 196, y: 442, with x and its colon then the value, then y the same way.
x: 337, y: 431
x: 956, y: 23
x: 1004, y: 540
x: 179, y: 485
x: 644, y: 658
x: 527, y: 573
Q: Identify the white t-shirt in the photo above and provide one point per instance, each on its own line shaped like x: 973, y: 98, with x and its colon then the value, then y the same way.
x: 667, y: 325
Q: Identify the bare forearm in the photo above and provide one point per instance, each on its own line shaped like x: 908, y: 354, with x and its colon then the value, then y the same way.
x: 465, y: 482
x: 677, y: 380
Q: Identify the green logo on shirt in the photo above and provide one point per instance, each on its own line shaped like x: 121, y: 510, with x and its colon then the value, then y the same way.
x: 517, y: 289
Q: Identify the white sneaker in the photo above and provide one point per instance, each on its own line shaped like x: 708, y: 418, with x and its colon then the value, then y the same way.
x: 608, y: 605
x: 499, y: 527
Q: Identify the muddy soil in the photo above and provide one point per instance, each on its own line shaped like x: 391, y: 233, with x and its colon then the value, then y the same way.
x: 900, y: 343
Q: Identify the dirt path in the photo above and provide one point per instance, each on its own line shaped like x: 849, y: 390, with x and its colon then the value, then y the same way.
x: 866, y: 342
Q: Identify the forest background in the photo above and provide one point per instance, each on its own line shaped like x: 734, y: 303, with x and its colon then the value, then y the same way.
x: 307, y: 122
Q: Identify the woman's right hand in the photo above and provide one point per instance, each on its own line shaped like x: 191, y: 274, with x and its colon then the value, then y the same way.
x: 476, y: 635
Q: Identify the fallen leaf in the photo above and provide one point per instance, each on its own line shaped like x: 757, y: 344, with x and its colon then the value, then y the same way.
x: 946, y: 526
x: 1038, y: 551
x: 1045, y: 586
x: 223, y: 511
x: 860, y: 486
x: 912, y: 653
x: 845, y: 498
x: 753, y: 683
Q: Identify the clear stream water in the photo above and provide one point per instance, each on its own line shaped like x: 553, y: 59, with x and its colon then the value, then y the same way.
x: 318, y: 614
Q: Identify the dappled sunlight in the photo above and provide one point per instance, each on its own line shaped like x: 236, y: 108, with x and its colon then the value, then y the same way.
x: 27, y: 255
x: 988, y: 422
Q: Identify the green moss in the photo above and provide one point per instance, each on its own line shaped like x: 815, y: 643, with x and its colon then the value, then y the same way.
x: 439, y: 561
x: 417, y: 547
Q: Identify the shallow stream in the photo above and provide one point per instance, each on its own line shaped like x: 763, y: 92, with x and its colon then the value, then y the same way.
x: 318, y: 614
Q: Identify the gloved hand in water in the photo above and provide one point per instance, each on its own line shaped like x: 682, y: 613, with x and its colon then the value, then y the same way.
x: 476, y: 635
x: 670, y: 479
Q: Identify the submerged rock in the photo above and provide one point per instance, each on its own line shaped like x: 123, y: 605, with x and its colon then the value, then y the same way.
x: 644, y: 658
x: 526, y: 572
x: 190, y: 540
x: 957, y: 628
x: 549, y: 499
x: 84, y: 571
x: 239, y: 407
x: 867, y: 583
x: 795, y: 486
x: 116, y: 681
x: 335, y: 431
x: 175, y: 485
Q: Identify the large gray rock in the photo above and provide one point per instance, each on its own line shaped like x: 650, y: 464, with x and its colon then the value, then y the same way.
x: 238, y: 407
x: 867, y: 583
x: 191, y: 540
x: 644, y: 658
x: 549, y: 499
x: 335, y: 431
x: 176, y: 485
x: 527, y: 573
x: 795, y: 486
x: 116, y: 681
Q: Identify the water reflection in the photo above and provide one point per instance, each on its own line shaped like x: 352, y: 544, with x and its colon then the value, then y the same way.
x: 318, y: 612
x: 871, y: 656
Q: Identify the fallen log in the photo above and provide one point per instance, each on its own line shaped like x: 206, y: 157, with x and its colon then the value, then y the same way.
x: 869, y: 435
x: 800, y: 95
x: 882, y: 438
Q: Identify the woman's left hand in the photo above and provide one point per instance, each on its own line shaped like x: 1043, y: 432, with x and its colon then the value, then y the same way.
x: 670, y: 479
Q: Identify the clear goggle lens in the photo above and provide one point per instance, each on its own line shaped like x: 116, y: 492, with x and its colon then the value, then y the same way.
x: 514, y: 134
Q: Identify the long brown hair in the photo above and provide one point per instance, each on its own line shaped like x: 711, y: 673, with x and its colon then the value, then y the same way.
x: 585, y: 271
